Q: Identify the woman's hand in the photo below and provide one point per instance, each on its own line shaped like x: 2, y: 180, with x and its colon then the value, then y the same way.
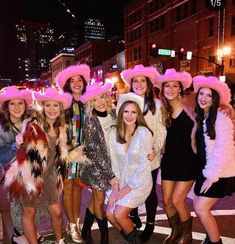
x: 112, y: 198
x: 205, y: 186
x: 123, y: 192
x: 76, y: 154
x: 19, y: 140
x: 152, y: 155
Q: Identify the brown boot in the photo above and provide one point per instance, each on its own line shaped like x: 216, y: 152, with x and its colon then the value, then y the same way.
x: 176, y: 228
x: 186, y: 234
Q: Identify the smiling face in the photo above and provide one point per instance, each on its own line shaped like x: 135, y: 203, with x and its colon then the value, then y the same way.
x: 100, y: 103
x: 16, y: 108
x: 76, y: 84
x: 171, y: 90
x: 139, y: 85
x: 204, y: 99
x: 130, y: 114
x: 51, y: 110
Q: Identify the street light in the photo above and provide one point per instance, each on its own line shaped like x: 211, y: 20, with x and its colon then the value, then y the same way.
x: 221, y: 53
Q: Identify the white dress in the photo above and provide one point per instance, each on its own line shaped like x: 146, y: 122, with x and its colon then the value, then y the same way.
x: 132, y: 167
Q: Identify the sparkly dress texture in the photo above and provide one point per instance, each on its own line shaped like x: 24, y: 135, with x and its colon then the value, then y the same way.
x: 131, y: 167
x: 49, y: 194
x: 179, y: 161
x: 99, y: 172
x: 75, y: 137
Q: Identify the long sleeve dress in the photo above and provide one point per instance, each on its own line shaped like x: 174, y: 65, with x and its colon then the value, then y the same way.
x: 131, y: 167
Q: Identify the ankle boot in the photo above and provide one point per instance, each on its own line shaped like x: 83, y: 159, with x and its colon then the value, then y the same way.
x: 186, y: 233
x: 61, y: 241
x: 88, y: 222
x: 146, y: 234
x: 133, y: 237
x: 135, y: 218
x: 176, y: 228
x: 72, y: 230
x: 207, y: 241
x: 124, y: 235
x: 103, y: 226
x: 78, y: 226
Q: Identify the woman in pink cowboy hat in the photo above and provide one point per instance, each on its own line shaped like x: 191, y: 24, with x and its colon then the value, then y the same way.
x: 215, y: 149
x: 74, y: 80
x: 178, y: 164
x: 131, y: 141
x: 140, y: 80
x: 36, y: 174
x: 16, y: 106
x: 99, y: 120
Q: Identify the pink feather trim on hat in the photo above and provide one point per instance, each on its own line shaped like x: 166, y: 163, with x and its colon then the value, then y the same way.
x: 64, y: 75
x: 52, y: 94
x: 139, y: 70
x: 172, y: 75
x: 215, y: 84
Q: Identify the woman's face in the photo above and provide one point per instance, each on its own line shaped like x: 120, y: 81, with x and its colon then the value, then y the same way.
x: 139, y: 85
x: 100, y: 103
x: 51, y: 110
x: 76, y: 84
x: 130, y: 114
x: 204, y: 98
x: 16, y: 108
x: 171, y: 90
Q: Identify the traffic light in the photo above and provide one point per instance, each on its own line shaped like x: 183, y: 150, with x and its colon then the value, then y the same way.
x: 181, y: 53
x: 153, y: 50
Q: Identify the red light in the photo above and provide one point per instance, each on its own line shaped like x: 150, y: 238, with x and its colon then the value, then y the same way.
x: 154, y: 45
x: 182, y: 50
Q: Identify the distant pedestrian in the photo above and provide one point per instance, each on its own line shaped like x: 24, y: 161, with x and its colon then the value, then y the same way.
x: 215, y: 149
x: 74, y: 80
x: 178, y: 164
x: 131, y: 141
x: 99, y: 119
x: 140, y: 80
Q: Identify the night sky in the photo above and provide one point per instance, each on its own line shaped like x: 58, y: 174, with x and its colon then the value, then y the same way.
x: 54, y: 12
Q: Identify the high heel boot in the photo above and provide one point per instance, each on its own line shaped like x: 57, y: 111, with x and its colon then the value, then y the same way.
x: 88, y: 222
x: 72, y: 230
x: 103, y: 226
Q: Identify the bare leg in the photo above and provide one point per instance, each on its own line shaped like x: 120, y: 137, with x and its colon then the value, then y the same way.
x: 29, y: 224
x: 68, y: 202
x: 99, y: 204
x: 180, y: 192
x: 56, y: 220
x: 202, y: 206
x: 111, y: 218
x: 76, y: 198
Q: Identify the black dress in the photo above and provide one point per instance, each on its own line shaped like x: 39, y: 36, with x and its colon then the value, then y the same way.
x: 179, y: 161
x: 223, y: 187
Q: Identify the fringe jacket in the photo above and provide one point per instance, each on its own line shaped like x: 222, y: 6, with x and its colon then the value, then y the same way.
x: 220, y: 153
x: 25, y: 176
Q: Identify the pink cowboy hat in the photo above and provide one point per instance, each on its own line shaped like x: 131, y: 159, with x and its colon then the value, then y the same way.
x: 64, y: 75
x: 172, y: 75
x: 213, y: 83
x: 130, y: 96
x: 12, y: 92
x: 139, y: 70
x: 52, y: 94
x: 94, y: 90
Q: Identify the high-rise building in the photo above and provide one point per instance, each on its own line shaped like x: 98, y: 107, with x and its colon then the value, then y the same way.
x: 94, y: 29
x: 36, y: 45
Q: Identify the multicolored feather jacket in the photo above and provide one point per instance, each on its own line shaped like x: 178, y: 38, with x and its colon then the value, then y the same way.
x: 25, y: 175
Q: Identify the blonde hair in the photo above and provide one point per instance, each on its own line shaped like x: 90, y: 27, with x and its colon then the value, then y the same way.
x: 90, y: 105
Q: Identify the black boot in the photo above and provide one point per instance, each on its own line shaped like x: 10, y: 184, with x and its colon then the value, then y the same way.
x: 123, y: 234
x: 146, y: 234
x: 88, y: 222
x: 186, y: 233
x: 207, y: 241
x: 135, y: 218
x: 134, y: 237
x: 176, y: 228
x: 103, y: 226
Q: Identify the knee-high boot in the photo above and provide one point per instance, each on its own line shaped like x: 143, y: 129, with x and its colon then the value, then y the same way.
x: 103, y: 226
x: 176, y: 228
x: 186, y: 233
x: 134, y: 237
x: 88, y: 222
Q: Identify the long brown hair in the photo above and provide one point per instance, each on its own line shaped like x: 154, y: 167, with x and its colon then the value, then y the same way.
x: 148, y: 96
x: 121, y: 126
x: 167, y: 109
x: 5, y: 119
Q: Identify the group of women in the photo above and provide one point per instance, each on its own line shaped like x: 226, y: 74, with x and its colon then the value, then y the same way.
x: 79, y: 137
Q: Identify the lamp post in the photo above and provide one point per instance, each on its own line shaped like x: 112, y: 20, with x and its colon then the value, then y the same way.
x: 221, y: 53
